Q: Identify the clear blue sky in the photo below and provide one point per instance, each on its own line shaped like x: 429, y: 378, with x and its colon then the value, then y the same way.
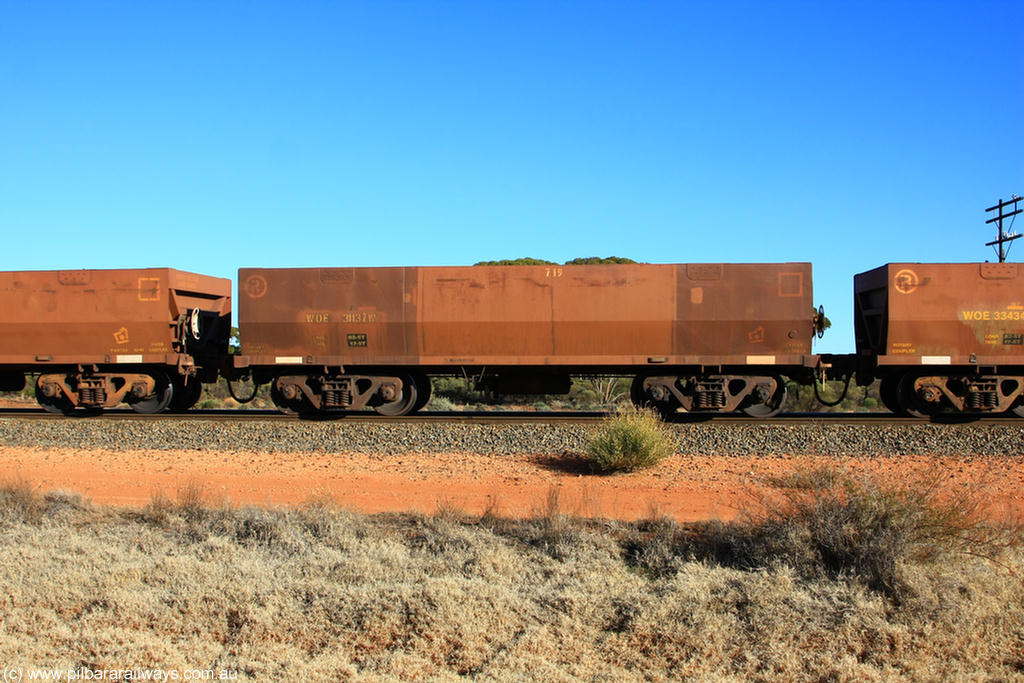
x: 213, y: 135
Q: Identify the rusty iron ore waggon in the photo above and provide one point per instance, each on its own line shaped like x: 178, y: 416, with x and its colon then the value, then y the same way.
x: 95, y: 338
x: 695, y: 338
x: 942, y: 336
x: 701, y: 337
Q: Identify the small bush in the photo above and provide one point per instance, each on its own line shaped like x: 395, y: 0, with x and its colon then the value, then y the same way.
x: 20, y: 501
x: 441, y: 404
x: 827, y: 521
x: 629, y: 441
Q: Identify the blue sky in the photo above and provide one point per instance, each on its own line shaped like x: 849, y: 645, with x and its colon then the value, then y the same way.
x: 210, y: 136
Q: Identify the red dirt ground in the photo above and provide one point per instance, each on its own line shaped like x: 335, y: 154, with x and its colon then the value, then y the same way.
x: 684, y: 487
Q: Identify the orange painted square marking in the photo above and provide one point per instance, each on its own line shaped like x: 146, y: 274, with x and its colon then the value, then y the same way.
x: 149, y: 289
x: 791, y: 284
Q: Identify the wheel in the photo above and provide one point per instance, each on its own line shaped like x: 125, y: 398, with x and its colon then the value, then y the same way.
x: 186, y: 394
x: 159, y: 400
x: 637, y: 394
x: 888, y: 394
x: 286, y: 406
x: 911, y: 401
x: 1018, y: 409
x: 770, y: 406
x: 819, y: 322
x: 59, y: 404
x: 423, y: 390
x: 665, y: 407
x: 404, y: 404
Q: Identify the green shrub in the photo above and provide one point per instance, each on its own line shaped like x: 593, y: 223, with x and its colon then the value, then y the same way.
x: 458, y: 390
x: 598, y: 261
x: 629, y: 441
x: 440, y: 404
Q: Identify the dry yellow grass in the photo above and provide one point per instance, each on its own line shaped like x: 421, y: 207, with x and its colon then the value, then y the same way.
x: 322, y: 594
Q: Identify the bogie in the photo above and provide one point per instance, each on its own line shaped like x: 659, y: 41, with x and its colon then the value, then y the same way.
x: 755, y: 395
x: 147, y: 392
x: 925, y: 395
x: 385, y: 394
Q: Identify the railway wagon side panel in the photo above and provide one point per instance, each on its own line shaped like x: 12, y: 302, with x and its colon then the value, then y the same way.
x: 942, y: 312
x: 557, y: 315
x: 104, y: 316
x: 599, y: 315
x: 757, y: 312
x: 617, y: 314
x: 350, y: 315
x: 614, y: 313
x: 483, y: 313
x: 451, y: 316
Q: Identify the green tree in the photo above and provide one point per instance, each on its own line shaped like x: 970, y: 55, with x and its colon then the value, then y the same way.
x: 525, y: 261
x: 597, y: 260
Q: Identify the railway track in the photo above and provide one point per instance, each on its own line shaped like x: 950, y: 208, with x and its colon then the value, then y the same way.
x: 513, y: 417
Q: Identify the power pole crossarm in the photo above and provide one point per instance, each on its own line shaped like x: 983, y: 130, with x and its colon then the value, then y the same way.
x: 1004, y: 238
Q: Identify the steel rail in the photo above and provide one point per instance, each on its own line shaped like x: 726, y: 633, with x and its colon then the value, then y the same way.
x: 517, y: 417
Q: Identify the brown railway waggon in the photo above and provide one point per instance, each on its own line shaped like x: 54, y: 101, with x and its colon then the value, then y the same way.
x: 942, y: 336
x: 95, y: 338
x: 701, y: 337
x: 696, y: 338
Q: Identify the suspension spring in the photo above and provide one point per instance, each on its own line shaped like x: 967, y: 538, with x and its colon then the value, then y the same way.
x: 706, y: 400
x: 977, y: 400
x: 92, y: 396
x: 337, y: 398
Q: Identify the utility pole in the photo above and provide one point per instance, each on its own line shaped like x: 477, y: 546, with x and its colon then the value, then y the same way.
x: 1004, y: 238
